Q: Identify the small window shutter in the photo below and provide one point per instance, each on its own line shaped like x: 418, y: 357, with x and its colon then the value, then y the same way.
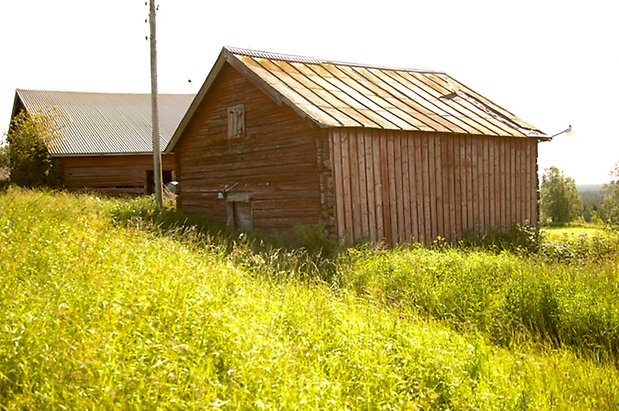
x: 236, y: 121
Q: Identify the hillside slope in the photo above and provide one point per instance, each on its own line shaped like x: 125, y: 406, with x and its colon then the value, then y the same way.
x: 102, y: 312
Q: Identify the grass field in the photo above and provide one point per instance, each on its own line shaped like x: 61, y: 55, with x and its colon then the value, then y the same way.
x: 572, y: 231
x: 110, y: 304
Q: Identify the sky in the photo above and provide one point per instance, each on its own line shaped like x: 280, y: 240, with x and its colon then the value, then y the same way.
x: 552, y: 63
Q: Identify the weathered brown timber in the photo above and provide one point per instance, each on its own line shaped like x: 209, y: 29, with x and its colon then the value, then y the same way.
x: 276, y: 160
x: 387, y: 155
x: 446, y: 192
x: 123, y: 174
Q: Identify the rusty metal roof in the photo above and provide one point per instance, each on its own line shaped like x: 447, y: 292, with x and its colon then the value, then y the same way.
x: 335, y: 94
x: 106, y: 123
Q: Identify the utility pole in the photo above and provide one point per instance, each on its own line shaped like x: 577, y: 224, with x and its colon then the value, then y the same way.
x: 155, y: 107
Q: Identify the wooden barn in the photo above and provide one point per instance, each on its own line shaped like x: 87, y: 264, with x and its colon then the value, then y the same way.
x: 385, y: 154
x: 105, y: 141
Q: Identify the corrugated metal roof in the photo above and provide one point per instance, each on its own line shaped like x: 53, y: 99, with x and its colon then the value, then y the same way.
x: 335, y: 94
x: 106, y: 123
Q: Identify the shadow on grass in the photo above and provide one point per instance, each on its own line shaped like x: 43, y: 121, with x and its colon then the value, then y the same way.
x: 304, y: 257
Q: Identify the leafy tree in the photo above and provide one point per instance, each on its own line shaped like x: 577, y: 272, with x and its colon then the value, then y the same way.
x: 592, y: 198
x: 560, y: 202
x: 4, y: 161
x: 610, y: 206
x: 30, y: 136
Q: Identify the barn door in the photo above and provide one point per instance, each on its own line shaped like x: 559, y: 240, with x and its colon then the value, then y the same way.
x: 166, y: 177
x: 239, y: 212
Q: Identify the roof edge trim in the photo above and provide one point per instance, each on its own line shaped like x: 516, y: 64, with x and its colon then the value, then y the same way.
x: 197, y: 100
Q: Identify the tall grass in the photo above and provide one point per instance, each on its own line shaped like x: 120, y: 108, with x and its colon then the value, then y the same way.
x: 103, y: 307
x: 507, y: 297
x: 566, y: 293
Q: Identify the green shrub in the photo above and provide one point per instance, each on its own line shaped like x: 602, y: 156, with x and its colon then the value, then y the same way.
x: 581, y: 248
x: 317, y: 241
x: 518, y: 237
x: 30, y: 136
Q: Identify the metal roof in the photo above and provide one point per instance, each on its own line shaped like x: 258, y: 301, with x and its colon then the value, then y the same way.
x: 106, y: 123
x: 335, y: 94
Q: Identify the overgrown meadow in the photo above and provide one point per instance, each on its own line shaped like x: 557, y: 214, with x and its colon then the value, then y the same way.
x: 108, y: 303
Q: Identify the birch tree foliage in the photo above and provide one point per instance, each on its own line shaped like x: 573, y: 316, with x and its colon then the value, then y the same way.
x: 560, y: 201
x: 30, y: 138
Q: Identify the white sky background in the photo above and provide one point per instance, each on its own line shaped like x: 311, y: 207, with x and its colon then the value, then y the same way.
x: 550, y: 62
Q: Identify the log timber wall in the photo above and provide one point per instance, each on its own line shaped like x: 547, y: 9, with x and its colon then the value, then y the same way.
x: 274, y: 163
x: 121, y: 174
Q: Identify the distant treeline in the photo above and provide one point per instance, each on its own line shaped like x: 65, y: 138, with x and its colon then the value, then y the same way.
x: 592, y: 197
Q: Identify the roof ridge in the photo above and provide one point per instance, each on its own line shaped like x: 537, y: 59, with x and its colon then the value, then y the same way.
x: 102, y: 93
x: 314, y: 60
x: 273, y: 56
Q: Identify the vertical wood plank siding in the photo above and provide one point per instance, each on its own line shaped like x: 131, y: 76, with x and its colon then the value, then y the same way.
x: 122, y: 174
x: 282, y: 160
x: 397, y: 186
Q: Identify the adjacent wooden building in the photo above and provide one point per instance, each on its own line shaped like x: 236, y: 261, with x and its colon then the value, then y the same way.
x: 105, y: 139
x: 387, y: 154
